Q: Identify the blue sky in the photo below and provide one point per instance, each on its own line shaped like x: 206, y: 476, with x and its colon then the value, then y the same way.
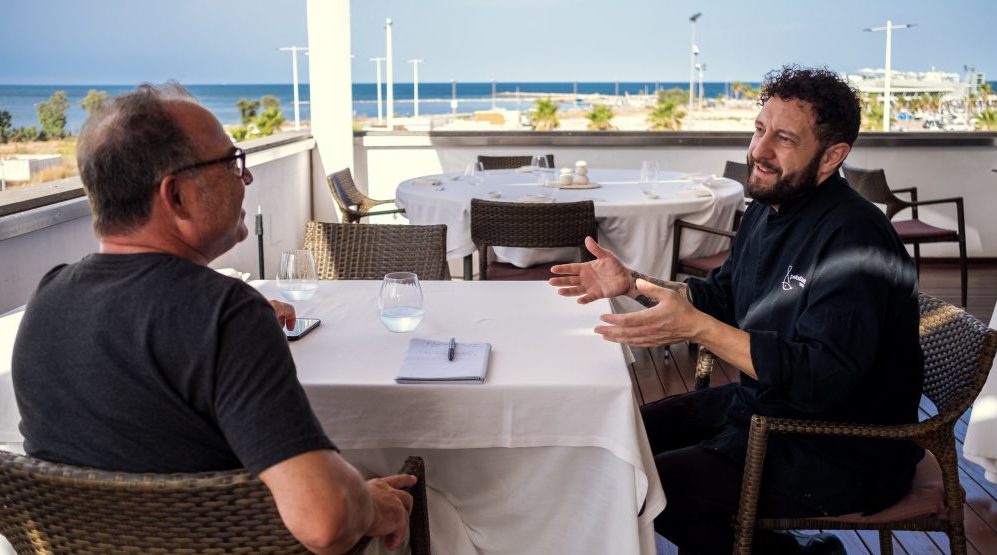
x: 235, y: 41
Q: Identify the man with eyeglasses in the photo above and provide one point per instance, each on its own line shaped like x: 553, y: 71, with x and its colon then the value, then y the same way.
x: 140, y: 358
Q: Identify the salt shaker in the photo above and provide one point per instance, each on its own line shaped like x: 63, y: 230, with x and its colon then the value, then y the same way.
x: 581, y: 168
x: 565, y: 177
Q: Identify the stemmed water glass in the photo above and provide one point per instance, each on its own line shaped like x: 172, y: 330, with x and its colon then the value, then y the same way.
x: 474, y: 173
x: 649, y: 178
x: 296, y: 277
x: 539, y: 163
x: 400, y: 302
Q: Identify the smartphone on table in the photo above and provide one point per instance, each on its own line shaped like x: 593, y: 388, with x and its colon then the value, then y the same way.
x: 301, y: 328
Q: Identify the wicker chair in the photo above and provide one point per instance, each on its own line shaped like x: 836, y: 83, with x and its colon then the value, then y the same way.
x: 510, y: 162
x: 737, y: 171
x: 872, y: 185
x: 701, y: 265
x: 958, y: 353
x: 54, y: 508
x: 522, y: 224
x: 353, y: 204
x: 368, y: 251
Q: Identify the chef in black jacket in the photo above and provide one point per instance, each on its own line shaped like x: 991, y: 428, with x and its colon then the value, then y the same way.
x: 817, y: 305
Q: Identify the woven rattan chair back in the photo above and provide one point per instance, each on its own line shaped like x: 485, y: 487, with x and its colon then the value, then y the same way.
x: 737, y: 171
x: 368, y: 251
x: 353, y: 204
x: 951, y: 340
x: 872, y: 185
x: 530, y: 225
x: 54, y: 508
x: 510, y: 162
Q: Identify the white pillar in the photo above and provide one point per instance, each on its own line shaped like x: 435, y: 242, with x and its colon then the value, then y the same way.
x: 390, y: 73
x: 331, y: 81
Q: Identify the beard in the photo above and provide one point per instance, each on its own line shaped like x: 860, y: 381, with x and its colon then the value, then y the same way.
x: 787, y: 186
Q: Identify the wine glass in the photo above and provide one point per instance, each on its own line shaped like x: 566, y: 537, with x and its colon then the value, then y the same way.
x: 474, y: 173
x: 539, y: 163
x: 296, y: 278
x: 649, y: 178
x: 400, y: 302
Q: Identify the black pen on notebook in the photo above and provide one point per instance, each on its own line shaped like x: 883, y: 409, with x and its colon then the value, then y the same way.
x: 451, y: 348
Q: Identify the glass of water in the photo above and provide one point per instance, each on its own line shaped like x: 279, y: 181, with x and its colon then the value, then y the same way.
x: 474, y: 173
x: 400, y: 302
x: 296, y: 278
x: 538, y: 163
x: 649, y: 178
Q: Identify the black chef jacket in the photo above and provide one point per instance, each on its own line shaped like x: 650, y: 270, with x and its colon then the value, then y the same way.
x: 828, y: 294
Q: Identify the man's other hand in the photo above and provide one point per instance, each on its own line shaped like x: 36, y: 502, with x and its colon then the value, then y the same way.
x: 672, y: 320
x: 285, y: 314
x: 391, y: 508
x: 597, y: 279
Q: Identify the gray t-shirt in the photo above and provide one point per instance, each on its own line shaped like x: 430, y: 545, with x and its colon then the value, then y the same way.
x: 151, y: 363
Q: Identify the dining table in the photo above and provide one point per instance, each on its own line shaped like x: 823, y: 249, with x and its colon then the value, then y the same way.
x: 981, y: 433
x: 547, y: 455
x: 633, y: 224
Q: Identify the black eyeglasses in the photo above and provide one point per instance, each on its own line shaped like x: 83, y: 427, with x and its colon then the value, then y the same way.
x: 238, y: 156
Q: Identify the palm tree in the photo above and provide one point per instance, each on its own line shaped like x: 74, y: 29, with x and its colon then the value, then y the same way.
x: 601, y: 118
x: 543, y: 117
x: 987, y: 120
x: 666, y: 116
x: 872, y: 113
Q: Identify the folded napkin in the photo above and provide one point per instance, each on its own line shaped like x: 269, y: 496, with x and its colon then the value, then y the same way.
x: 233, y: 273
x: 425, y: 182
x: 696, y: 191
x: 715, y: 182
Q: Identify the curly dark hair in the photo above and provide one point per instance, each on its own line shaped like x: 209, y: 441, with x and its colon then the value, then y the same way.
x: 835, y: 103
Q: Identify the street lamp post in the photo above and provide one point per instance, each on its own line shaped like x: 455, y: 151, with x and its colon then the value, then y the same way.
x: 693, y: 52
x: 887, y: 104
x: 294, y: 76
x: 453, y: 96
x: 415, y: 84
x: 701, y: 68
x: 380, y: 114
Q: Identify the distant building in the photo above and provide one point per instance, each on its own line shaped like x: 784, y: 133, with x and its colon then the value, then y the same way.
x: 915, y: 83
x: 22, y: 166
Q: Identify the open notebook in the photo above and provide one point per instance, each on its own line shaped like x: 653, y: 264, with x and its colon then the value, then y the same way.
x: 426, y: 362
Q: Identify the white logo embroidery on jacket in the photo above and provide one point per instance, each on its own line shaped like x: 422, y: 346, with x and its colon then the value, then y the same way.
x: 787, y: 282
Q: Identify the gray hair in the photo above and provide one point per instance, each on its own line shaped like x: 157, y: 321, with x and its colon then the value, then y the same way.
x: 124, y: 151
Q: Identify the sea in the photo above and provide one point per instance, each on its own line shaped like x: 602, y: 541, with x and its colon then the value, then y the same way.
x: 434, y: 98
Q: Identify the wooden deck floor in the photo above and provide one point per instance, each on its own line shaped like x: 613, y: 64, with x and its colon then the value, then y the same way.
x: 658, y: 373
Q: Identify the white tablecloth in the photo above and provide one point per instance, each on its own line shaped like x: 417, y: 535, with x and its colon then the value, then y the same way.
x: 636, y: 228
x: 981, y: 435
x: 549, y: 455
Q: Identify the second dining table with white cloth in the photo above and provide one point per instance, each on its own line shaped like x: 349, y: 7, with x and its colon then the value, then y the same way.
x: 549, y: 455
x: 638, y: 229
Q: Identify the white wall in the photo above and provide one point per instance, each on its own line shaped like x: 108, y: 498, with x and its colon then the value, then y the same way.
x: 26, y: 258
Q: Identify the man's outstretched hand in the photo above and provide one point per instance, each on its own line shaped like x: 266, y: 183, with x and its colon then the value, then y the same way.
x: 597, y: 279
